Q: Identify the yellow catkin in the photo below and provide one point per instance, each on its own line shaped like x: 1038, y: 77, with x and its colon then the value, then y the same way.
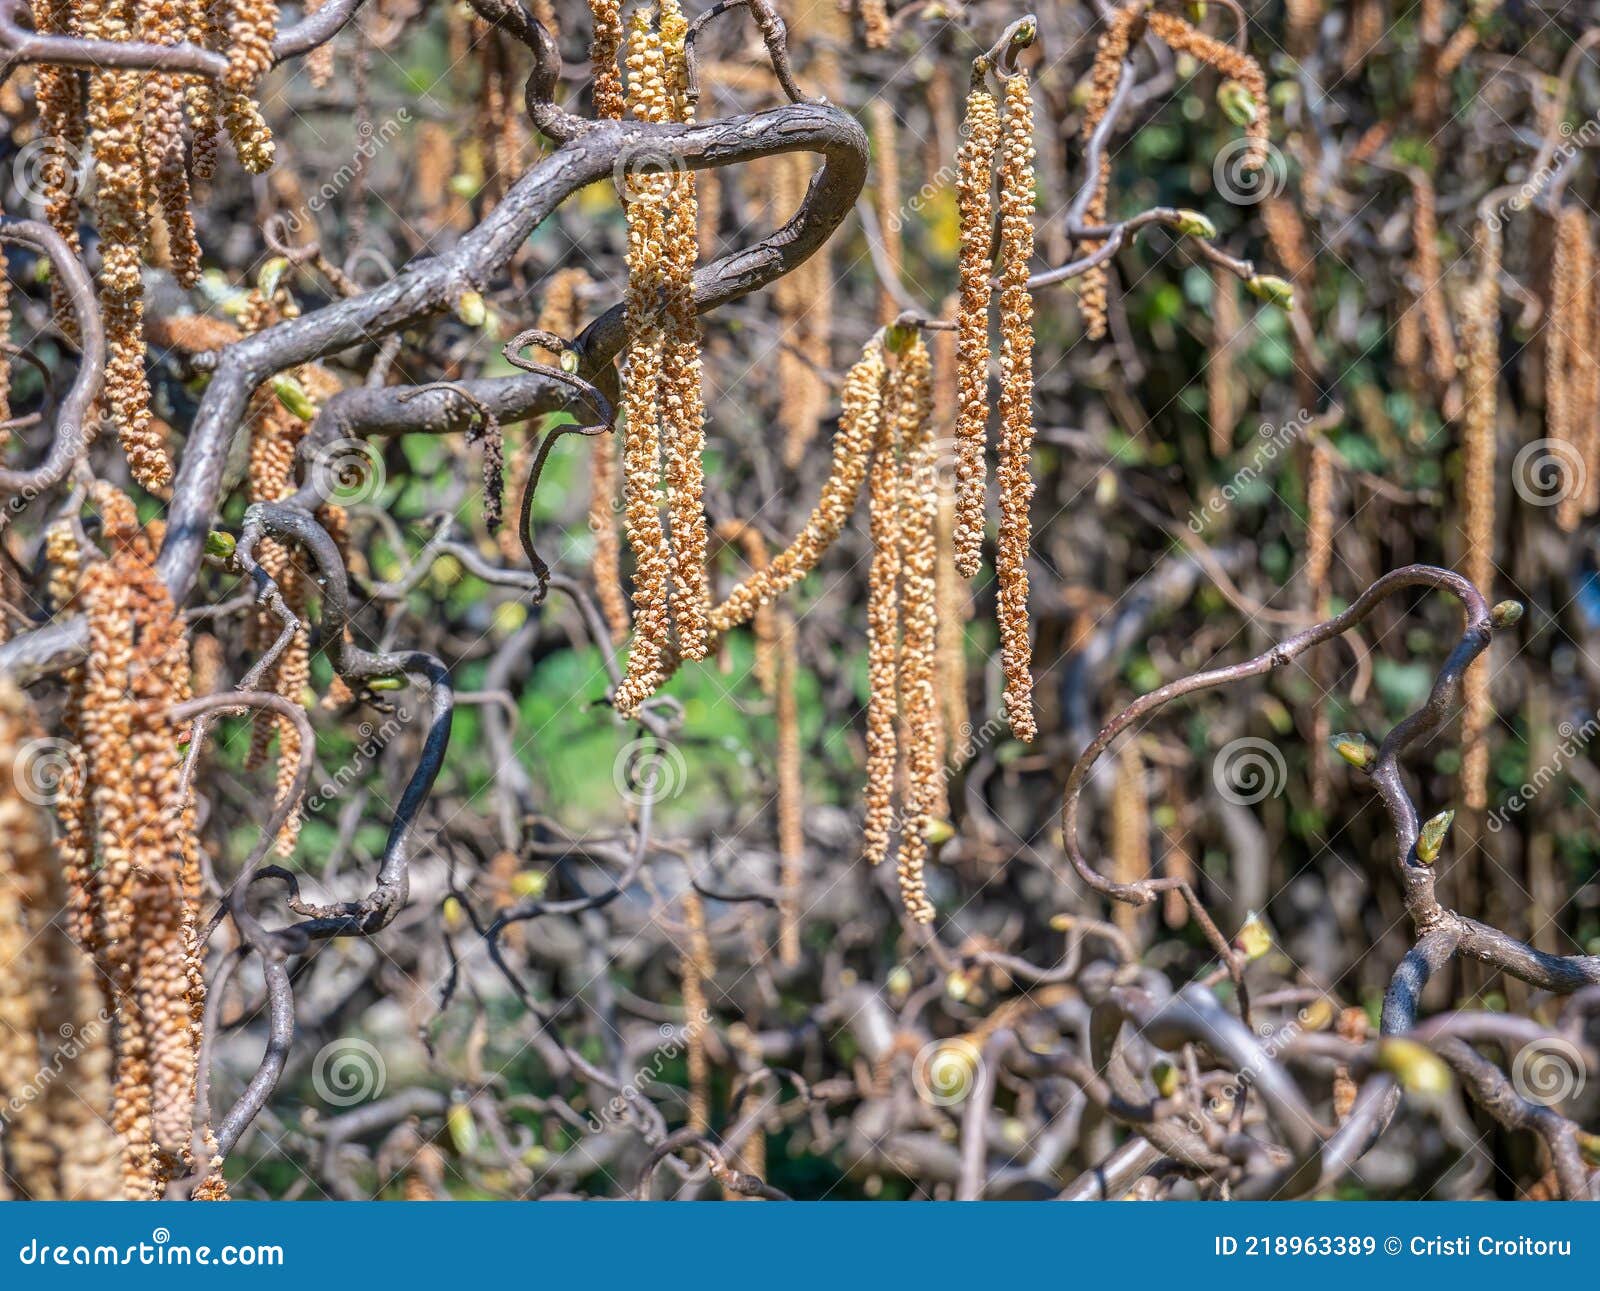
x: 647, y: 198
x: 919, y: 508
x: 1183, y: 38
x: 1319, y: 563
x: 1130, y: 830
x: 861, y: 418
x: 876, y: 26
x: 1302, y: 19
x: 1565, y: 345
x: 791, y: 790
x: 1014, y: 478
x: 683, y: 409
x: 604, y: 47
x: 1222, y: 377
x: 975, y: 201
x: 59, y: 93
x: 886, y: 197
x: 1111, y: 52
x: 883, y: 629
x: 695, y: 966
x: 1481, y: 318
x: 1429, y: 276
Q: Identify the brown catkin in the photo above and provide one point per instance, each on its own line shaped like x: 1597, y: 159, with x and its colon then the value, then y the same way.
x: 1130, y: 831
x: 59, y: 93
x: 1429, y: 276
x: 604, y: 47
x: 1111, y: 52
x: 1181, y: 37
x: 695, y: 966
x: 883, y: 628
x: 791, y: 790
x: 165, y: 160
x: 5, y: 353
x: 919, y: 508
x: 1565, y: 342
x: 975, y: 201
x: 1222, y: 377
x: 252, y: 26
x: 1319, y: 563
x: 1014, y: 478
x: 1481, y: 319
x: 885, y: 132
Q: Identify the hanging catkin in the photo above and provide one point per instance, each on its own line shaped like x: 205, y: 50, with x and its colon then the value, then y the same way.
x: 886, y: 198
x: 974, y: 194
x: 861, y: 418
x: 646, y: 197
x: 1429, y: 275
x: 919, y: 507
x: 695, y: 967
x: 1480, y: 323
x: 1182, y: 38
x: 1222, y: 401
x: 1111, y: 52
x: 604, y: 46
x: 1565, y: 341
x: 1319, y: 563
x: 1130, y: 831
x: 883, y: 626
x: 1014, y: 478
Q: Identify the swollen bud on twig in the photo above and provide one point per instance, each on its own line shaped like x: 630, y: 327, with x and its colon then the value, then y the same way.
x: 219, y: 544
x: 1254, y: 939
x: 469, y: 307
x: 386, y: 683
x: 1272, y: 289
x: 291, y: 394
x: 1506, y: 614
x: 1237, y: 103
x: 1195, y: 225
x: 270, y: 275
x: 1431, y: 838
x: 1356, y: 749
x: 1418, y: 1069
x: 1165, y: 1077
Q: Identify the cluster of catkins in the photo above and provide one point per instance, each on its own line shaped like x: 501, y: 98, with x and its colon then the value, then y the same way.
x: 134, y: 123
x: 1244, y: 92
x: 55, y: 1053
x: 663, y: 414
x: 1005, y: 131
x: 128, y: 839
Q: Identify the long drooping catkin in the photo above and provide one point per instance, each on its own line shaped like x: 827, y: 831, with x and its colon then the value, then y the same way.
x: 647, y: 197
x: 1319, y: 563
x: 1480, y: 324
x: 791, y: 789
x: 1222, y: 402
x: 1425, y: 268
x: 1130, y: 830
x: 252, y: 25
x: 883, y: 626
x: 886, y: 197
x: 1111, y: 52
x: 919, y: 508
x: 861, y: 417
x: 974, y: 195
x: 695, y: 966
x: 1181, y: 37
x: 1014, y: 477
x: 1570, y: 269
x: 683, y: 411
